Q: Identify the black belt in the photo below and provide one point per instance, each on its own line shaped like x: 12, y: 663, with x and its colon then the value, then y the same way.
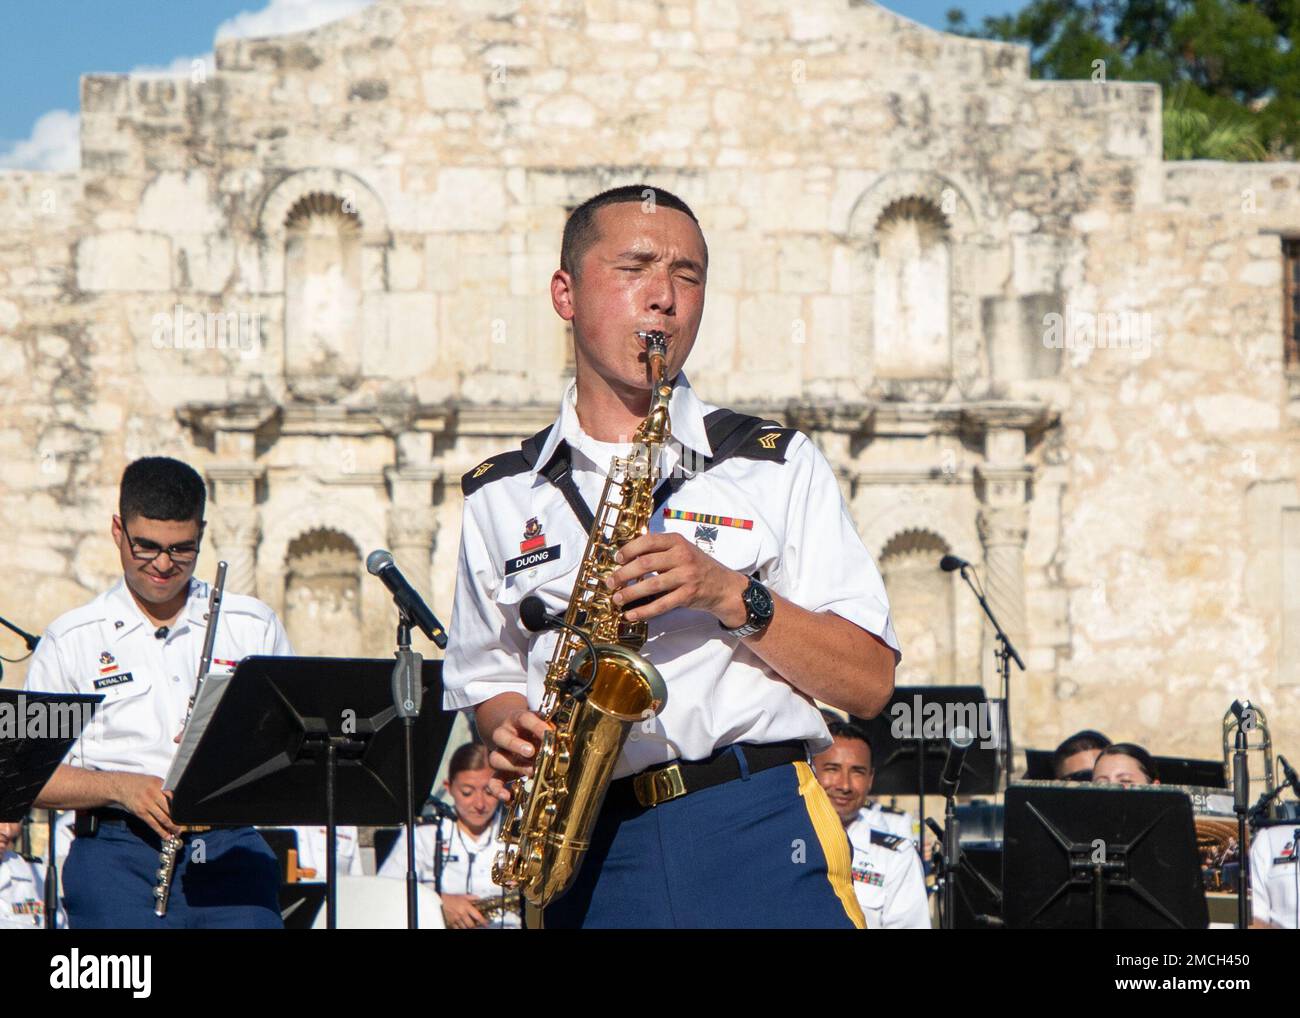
x: 89, y: 821
x: 660, y: 784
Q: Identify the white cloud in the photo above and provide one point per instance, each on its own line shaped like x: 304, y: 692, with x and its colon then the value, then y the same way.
x: 177, y: 67
x: 280, y: 17
x: 54, y: 143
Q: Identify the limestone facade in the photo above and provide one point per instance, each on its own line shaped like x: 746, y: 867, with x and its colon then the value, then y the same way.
x: 320, y: 274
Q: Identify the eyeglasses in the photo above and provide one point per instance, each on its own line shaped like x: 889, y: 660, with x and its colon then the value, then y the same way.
x: 144, y: 550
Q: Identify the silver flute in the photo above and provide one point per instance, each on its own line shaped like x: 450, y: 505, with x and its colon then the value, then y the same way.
x: 172, y: 846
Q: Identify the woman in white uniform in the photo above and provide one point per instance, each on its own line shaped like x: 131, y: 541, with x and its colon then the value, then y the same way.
x: 468, y: 840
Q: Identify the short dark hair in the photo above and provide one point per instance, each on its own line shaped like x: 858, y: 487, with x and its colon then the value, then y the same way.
x: 853, y: 730
x: 1079, y: 742
x: 470, y: 757
x: 1145, y: 761
x: 580, y: 230
x: 161, y: 488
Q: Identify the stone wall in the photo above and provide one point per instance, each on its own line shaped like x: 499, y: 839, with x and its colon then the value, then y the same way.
x: 874, y: 194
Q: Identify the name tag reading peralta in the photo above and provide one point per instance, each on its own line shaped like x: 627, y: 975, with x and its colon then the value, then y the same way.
x: 533, y: 558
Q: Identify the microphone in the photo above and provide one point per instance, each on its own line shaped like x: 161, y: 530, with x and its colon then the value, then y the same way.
x: 950, y: 563
x: 161, y: 633
x: 380, y: 563
x: 959, y: 744
x: 534, y: 616
x: 1289, y: 773
x: 441, y: 810
x: 536, y: 619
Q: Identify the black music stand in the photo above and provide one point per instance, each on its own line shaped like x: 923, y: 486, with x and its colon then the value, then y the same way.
x: 296, y: 741
x: 29, y: 757
x: 977, y: 903
x: 910, y: 738
x: 911, y: 735
x: 300, y: 904
x: 1105, y: 857
x: 1183, y: 770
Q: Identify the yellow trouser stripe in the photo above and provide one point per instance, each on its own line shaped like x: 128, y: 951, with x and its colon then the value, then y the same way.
x: 835, y: 844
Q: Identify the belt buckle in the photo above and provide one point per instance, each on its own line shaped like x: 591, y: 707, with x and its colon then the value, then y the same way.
x: 654, y: 787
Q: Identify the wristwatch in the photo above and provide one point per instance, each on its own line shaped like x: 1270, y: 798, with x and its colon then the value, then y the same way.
x: 759, y: 608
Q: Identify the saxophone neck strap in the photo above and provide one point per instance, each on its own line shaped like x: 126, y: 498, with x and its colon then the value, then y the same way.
x: 728, y: 432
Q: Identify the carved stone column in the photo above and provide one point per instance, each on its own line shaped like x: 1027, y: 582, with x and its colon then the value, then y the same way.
x: 235, y: 521
x: 412, y: 525
x: 1003, y: 530
x: 1003, y: 481
x: 236, y: 533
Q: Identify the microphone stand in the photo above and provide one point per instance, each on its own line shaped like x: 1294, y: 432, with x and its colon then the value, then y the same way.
x: 1241, y: 806
x: 951, y: 839
x: 407, y: 694
x: 28, y: 639
x: 51, y: 872
x: 1005, y: 654
x: 938, y: 862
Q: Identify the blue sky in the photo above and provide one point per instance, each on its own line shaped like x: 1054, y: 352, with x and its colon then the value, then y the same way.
x: 49, y: 44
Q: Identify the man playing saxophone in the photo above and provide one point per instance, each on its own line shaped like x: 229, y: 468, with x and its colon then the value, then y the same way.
x: 139, y: 644
x: 756, y: 593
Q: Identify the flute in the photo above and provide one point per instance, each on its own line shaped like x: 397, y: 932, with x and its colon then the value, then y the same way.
x: 172, y: 846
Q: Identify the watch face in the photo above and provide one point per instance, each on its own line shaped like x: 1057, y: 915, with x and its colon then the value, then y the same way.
x: 759, y: 600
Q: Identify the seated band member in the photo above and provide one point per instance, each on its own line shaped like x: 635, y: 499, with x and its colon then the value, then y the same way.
x: 22, y: 886
x: 1124, y: 763
x: 312, y: 844
x: 139, y: 644
x: 758, y: 594
x: 463, y: 874
x: 887, y: 875
x: 1074, y: 757
x: 878, y: 815
x: 1274, y: 901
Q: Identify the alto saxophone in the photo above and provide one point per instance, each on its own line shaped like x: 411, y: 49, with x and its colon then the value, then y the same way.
x: 590, y: 705
x: 172, y: 846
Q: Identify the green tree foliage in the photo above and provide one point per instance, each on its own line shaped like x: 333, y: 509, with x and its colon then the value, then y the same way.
x: 1229, y: 69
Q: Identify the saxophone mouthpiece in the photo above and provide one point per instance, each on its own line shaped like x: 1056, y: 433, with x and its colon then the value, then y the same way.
x: 655, y: 342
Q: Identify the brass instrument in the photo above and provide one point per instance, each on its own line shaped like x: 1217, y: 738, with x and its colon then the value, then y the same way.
x: 497, y: 905
x: 172, y: 846
x: 590, y: 705
x: 1258, y: 723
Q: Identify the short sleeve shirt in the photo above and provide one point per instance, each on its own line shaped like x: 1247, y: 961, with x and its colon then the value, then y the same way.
x: 776, y: 514
x: 22, y: 894
x: 887, y: 878
x: 1273, y: 876
x: 109, y: 647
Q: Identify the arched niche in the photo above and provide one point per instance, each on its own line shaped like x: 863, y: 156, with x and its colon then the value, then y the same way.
x: 322, y: 298
x: 911, y: 292
x: 921, y: 602
x: 323, y: 594
x: 913, y: 246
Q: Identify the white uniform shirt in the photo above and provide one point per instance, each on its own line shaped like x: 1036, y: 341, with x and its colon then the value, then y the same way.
x: 887, y: 878
x: 22, y: 894
x: 109, y: 647
x: 784, y: 521
x: 311, y: 851
x: 466, y: 861
x: 1273, y: 876
x: 892, y: 821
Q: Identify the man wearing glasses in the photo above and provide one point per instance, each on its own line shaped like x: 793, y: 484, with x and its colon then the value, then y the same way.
x: 139, y: 644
